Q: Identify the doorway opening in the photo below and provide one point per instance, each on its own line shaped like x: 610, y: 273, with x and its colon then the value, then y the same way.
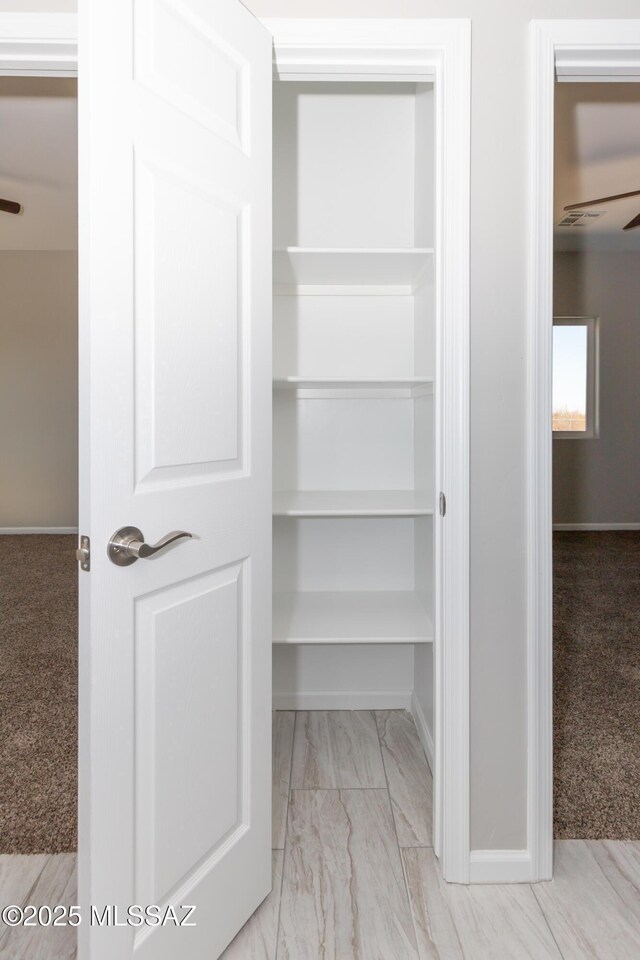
x: 596, y: 446
x: 38, y: 484
x: 578, y: 51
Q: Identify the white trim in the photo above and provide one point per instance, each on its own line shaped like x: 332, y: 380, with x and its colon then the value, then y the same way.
x: 18, y: 530
x: 425, y: 50
x: 38, y: 45
x: 451, y: 649
x: 345, y: 700
x: 601, y: 63
x: 422, y: 727
x: 600, y: 41
x: 500, y: 866
x: 596, y: 526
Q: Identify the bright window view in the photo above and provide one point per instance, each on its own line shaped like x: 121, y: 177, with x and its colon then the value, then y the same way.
x: 570, y: 376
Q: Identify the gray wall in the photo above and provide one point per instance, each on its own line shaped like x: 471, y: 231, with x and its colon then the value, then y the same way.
x: 38, y: 389
x: 499, y: 248
x: 598, y: 481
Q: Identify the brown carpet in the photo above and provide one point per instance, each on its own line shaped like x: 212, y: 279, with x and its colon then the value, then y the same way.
x: 38, y: 694
x: 596, y: 657
x: 596, y: 689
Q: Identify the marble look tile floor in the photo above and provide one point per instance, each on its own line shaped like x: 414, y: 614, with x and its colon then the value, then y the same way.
x: 355, y: 877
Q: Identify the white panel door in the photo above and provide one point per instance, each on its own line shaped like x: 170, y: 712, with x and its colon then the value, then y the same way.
x: 175, y: 360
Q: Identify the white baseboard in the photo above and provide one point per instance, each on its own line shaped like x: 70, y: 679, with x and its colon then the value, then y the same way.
x: 19, y: 530
x: 500, y: 866
x: 349, y: 700
x: 426, y: 739
x: 596, y: 526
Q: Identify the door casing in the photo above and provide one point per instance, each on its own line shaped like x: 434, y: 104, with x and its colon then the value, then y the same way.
x: 571, y: 50
x: 438, y: 51
x: 411, y: 50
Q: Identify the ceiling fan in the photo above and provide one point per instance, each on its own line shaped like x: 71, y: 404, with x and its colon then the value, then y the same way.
x: 618, y: 196
x: 10, y: 206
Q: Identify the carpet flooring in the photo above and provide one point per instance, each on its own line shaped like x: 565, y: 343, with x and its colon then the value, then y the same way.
x: 596, y: 690
x: 596, y: 658
x: 38, y: 694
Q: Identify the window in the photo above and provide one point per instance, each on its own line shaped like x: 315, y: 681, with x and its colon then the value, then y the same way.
x: 575, y: 376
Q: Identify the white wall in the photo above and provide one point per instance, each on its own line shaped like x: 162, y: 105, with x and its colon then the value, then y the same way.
x: 597, y: 481
x: 38, y: 389
x: 499, y: 239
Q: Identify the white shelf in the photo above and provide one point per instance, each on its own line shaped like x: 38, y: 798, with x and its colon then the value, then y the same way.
x: 292, y: 383
x: 355, y: 387
x: 350, y: 617
x: 319, y: 266
x: 351, y: 503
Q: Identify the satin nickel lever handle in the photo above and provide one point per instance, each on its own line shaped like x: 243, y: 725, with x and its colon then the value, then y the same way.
x: 127, y: 545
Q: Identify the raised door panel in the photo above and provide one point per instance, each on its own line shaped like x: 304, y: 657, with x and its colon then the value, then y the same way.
x: 190, y: 687
x: 189, y: 319
x: 210, y: 85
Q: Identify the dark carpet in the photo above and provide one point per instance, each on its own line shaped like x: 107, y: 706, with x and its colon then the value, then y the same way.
x: 38, y: 694
x: 596, y: 659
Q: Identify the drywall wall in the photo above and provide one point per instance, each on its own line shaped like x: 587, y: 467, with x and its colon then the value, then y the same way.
x: 499, y: 249
x: 596, y: 481
x: 39, y: 311
x: 38, y: 389
x: 39, y: 168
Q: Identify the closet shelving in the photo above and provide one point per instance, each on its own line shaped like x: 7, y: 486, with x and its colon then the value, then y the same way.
x: 351, y: 503
x: 373, y: 616
x: 350, y: 266
x: 353, y: 386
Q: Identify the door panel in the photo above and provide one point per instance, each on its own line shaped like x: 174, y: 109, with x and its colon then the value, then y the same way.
x: 189, y: 406
x: 175, y: 347
x: 211, y: 85
x: 190, y: 792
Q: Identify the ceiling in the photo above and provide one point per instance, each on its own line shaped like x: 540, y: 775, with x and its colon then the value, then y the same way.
x: 38, y: 162
x: 597, y: 154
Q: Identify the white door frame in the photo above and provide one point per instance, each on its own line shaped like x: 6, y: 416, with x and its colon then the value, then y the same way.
x: 569, y: 50
x: 439, y: 51
x: 45, y: 45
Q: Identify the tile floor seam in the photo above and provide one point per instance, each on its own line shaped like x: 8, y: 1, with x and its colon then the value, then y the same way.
x: 395, y: 830
x: 546, y: 918
x: 411, y: 911
x: 286, y: 831
x: 334, y: 789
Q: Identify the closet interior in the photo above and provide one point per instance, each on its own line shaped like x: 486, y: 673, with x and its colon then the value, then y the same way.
x: 354, y: 366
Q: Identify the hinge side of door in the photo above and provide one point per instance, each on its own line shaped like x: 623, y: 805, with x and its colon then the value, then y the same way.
x: 83, y: 554
x: 443, y: 505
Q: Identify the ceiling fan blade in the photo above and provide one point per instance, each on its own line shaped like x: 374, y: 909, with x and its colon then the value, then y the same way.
x: 632, y: 223
x: 593, y: 203
x: 10, y: 206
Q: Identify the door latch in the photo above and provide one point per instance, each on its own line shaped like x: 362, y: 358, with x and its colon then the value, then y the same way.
x: 83, y: 554
x: 127, y: 545
x: 443, y: 504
